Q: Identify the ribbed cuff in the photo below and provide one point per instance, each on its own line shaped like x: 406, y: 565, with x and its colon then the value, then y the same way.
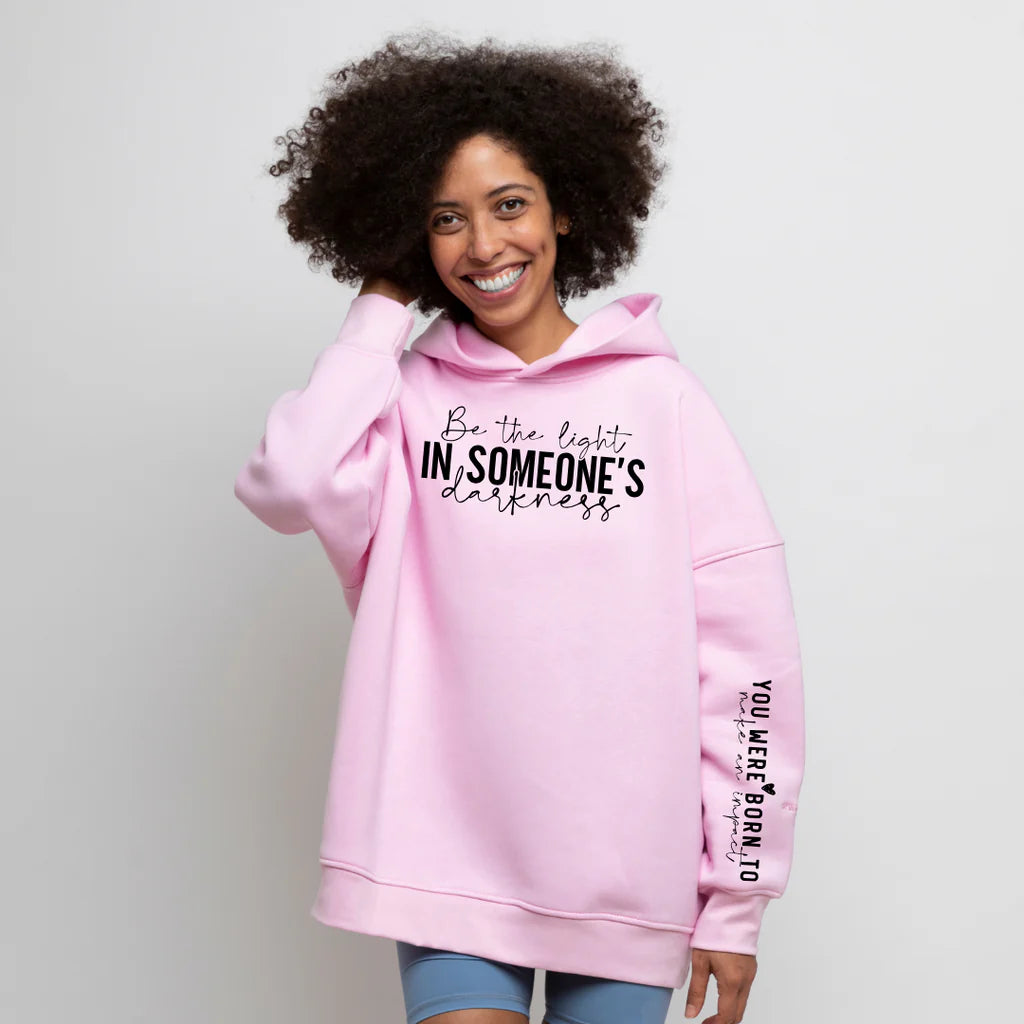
x: 376, y: 323
x: 730, y: 922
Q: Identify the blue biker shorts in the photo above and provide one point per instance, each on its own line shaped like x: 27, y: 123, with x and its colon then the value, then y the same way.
x: 437, y: 980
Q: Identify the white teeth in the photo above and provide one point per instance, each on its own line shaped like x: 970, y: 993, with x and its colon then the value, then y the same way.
x: 497, y: 284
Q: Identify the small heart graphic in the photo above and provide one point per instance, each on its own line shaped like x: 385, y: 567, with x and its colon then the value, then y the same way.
x: 769, y: 787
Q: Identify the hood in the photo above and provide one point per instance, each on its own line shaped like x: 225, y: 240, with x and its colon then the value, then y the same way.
x: 627, y: 326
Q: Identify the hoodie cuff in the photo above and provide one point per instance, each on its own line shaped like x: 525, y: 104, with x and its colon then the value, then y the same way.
x: 376, y: 323
x: 730, y: 922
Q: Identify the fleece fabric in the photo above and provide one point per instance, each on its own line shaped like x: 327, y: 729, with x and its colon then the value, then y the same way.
x: 570, y: 730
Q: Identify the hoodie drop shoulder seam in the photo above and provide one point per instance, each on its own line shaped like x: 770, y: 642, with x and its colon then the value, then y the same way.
x: 735, y: 552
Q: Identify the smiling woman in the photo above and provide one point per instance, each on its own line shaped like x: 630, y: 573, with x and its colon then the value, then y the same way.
x: 570, y: 598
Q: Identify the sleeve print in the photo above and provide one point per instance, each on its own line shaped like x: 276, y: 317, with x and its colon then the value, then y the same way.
x: 752, y: 742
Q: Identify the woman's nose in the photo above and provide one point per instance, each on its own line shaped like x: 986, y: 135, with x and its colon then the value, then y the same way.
x: 484, y: 243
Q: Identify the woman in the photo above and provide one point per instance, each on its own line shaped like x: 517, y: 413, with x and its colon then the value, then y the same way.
x: 570, y: 733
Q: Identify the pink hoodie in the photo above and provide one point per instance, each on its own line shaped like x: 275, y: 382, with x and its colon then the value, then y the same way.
x: 570, y: 733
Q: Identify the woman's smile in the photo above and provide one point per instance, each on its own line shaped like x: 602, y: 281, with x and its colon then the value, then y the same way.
x: 502, y: 286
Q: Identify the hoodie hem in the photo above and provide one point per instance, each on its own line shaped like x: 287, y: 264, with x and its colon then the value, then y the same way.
x: 608, y: 946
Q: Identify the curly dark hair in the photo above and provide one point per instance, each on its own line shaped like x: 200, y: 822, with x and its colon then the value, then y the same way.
x: 364, y: 165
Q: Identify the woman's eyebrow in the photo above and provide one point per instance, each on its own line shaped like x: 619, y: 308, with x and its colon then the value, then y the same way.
x: 490, y: 195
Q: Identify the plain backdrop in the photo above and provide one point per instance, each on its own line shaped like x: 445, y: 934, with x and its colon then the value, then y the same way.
x: 841, y: 260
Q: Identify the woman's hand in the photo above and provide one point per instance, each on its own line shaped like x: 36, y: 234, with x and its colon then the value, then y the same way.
x: 382, y: 285
x: 734, y: 974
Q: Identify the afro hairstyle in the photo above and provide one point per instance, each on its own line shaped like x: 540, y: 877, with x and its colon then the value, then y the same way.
x: 364, y: 167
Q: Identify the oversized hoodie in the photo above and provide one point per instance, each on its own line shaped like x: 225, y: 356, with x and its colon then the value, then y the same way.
x: 570, y: 731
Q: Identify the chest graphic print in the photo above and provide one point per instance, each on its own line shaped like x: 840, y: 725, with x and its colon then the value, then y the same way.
x: 516, y: 467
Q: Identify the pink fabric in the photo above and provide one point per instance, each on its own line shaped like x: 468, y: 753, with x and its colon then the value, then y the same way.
x: 570, y: 732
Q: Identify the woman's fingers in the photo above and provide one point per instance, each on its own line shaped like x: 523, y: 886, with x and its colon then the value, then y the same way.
x: 734, y: 977
x: 700, y: 969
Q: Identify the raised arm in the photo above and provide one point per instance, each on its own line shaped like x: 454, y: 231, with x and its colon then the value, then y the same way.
x: 324, y: 451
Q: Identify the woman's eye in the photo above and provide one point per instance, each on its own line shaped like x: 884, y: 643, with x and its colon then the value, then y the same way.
x: 442, y: 221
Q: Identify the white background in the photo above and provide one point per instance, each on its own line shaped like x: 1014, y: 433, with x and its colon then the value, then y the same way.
x: 841, y: 260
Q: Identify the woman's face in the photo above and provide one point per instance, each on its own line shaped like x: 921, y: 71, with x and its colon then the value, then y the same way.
x: 492, y: 214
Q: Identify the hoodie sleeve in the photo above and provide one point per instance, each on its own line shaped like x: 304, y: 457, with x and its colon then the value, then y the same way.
x: 751, y: 686
x: 321, y: 461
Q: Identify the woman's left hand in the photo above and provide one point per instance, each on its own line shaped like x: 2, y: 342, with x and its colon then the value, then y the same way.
x: 734, y: 974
